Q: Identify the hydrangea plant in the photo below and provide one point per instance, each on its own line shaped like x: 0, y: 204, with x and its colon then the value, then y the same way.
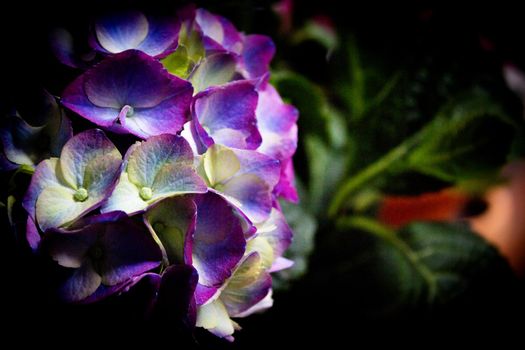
x: 195, y: 193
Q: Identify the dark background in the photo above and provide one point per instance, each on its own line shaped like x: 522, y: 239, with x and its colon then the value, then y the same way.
x: 313, y: 309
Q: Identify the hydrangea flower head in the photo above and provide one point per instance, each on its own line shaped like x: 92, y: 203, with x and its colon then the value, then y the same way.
x: 191, y: 210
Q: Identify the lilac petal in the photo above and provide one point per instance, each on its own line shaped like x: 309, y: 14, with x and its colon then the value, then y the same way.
x: 216, y: 69
x: 249, y: 285
x: 231, y: 106
x: 263, y: 166
x: 281, y: 264
x: 32, y: 234
x: 122, y: 31
x: 133, y: 30
x: 218, y: 241
x: 131, y: 78
x: 250, y: 194
x: 276, y: 231
x: 162, y: 38
x: 44, y: 176
x: 285, y: 188
x: 167, y: 117
x: 257, y: 52
x: 173, y: 221
x: 69, y: 250
x: 129, y: 250
x: 218, y: 32
x: 83, y: 282
x: 175, y: 295
x: 90, y: 160
x: 277, y: 122
x: 264, y: 304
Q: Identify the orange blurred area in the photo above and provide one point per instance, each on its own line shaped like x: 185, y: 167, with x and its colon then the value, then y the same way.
x: 502, y: 223
x: 445, y: 205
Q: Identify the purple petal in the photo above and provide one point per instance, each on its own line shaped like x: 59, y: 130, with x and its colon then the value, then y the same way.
x: 285, y: 188
x: 277, y: 122
x: 218, y: 32
x: 264, y: 304
x: 133, y: 30
x: 82, y: 283
x: 227, y: 107
x: 281, y: 264
x: 163, y: 37
x: 276, y: 231
x: 175, y: 296
x: 32, y: 234
x: 129, y: 250
x: 122, y: 31
x: 6, y: 164
x: 204, y: 293
x: 218, y: 241
x: 265, y: 167
x: 257, y: 52
x: 250, y: 194
x: 158, y: 99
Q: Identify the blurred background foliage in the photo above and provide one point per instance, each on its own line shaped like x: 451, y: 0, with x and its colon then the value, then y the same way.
x: 399, y: 108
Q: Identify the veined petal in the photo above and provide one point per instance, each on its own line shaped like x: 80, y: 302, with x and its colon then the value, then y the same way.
x: 162, y: 166
x: 130, y: 78
x: 218, y: 242
x: 229, y: 106
x: 90, y: 160
x: 56, y: 207
x: 150, y: 156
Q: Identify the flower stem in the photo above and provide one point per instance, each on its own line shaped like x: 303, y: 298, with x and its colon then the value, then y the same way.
x: 371, y: 172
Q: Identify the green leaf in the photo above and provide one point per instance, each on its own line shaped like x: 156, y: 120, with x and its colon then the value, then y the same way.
x: 327, y: 167
x: 422, y: 267
x: 469, y: 138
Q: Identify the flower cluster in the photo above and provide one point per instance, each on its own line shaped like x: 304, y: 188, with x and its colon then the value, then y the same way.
x: 193, y: 199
